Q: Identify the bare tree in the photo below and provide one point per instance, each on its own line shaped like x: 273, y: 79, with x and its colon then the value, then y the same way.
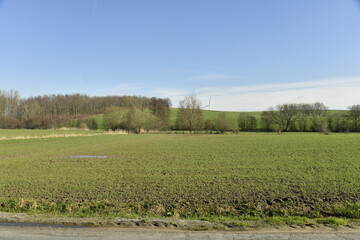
x: 136, y: 102
x: 247, y: 122
x: 3, y: 103
x: 354, y: 114
x: 13, y: 99
x: 319, y: 109
x: 160, y: 108
x: 283, y: 116
x: 319, y: 120
x: 222, y: 122
x: 190, y: 115
x: 304, y: 112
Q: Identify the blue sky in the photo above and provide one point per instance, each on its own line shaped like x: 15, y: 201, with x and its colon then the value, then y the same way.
x: 246, y: 54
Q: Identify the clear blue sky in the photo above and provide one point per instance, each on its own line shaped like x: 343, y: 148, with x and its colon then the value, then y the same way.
x: 246, y: 54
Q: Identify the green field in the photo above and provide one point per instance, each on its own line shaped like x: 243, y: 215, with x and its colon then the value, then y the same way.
x: 196, y: 176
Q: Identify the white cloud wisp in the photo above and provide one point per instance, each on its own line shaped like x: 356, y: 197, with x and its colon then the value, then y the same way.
x: 336, y: 93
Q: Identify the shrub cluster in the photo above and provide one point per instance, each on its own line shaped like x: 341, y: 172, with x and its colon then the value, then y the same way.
x: 83, y: 123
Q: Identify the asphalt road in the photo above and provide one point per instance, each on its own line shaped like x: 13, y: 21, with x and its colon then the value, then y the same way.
x: 22, y: 233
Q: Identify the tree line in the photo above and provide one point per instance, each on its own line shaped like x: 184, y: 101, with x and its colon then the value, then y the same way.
x: 137, y: 117
x: 296, y: 117
x: 314, y: 117
x: 138, y: 113
x: 74, y: 110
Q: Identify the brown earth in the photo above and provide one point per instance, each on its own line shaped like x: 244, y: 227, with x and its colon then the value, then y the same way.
x: 163, y: 224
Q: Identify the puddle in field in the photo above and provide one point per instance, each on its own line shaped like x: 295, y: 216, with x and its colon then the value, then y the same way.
x: 88, y: 156
x: 27, y: 224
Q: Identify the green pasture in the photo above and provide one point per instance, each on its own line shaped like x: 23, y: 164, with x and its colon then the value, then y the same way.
x: 187, y: 176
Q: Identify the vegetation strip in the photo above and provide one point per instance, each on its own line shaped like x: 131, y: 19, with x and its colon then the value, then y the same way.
x: 138, y: 114
x: 62, y: 135
x: 30, y: 224
x: 25, y: 220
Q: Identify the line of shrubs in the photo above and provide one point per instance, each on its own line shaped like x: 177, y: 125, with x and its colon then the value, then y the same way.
x: 48, y: 122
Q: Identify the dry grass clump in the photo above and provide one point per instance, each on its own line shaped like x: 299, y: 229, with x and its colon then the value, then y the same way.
x: 63, y: 135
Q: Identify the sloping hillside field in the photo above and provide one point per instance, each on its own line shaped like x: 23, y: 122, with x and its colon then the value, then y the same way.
x: 196, y: 176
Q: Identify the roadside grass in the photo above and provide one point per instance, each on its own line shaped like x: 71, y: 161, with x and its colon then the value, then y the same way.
x: 240, y: 180
x: 332, y: 221
x: 67, y: 209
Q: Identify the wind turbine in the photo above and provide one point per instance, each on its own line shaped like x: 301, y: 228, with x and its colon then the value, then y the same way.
x: 209, y: 104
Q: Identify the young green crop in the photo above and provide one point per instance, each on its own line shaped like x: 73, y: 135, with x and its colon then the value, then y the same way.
x: 248, y: 174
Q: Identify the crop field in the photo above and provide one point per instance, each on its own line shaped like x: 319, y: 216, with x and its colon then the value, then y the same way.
x: 186, y: 176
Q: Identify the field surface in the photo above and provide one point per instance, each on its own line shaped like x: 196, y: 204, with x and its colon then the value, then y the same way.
x: 197, y: 176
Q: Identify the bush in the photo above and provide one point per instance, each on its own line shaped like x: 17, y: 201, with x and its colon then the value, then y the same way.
x: 10, y: 123
x: 85, y: 123
x: 39, y: 122
x: 115, y: 120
